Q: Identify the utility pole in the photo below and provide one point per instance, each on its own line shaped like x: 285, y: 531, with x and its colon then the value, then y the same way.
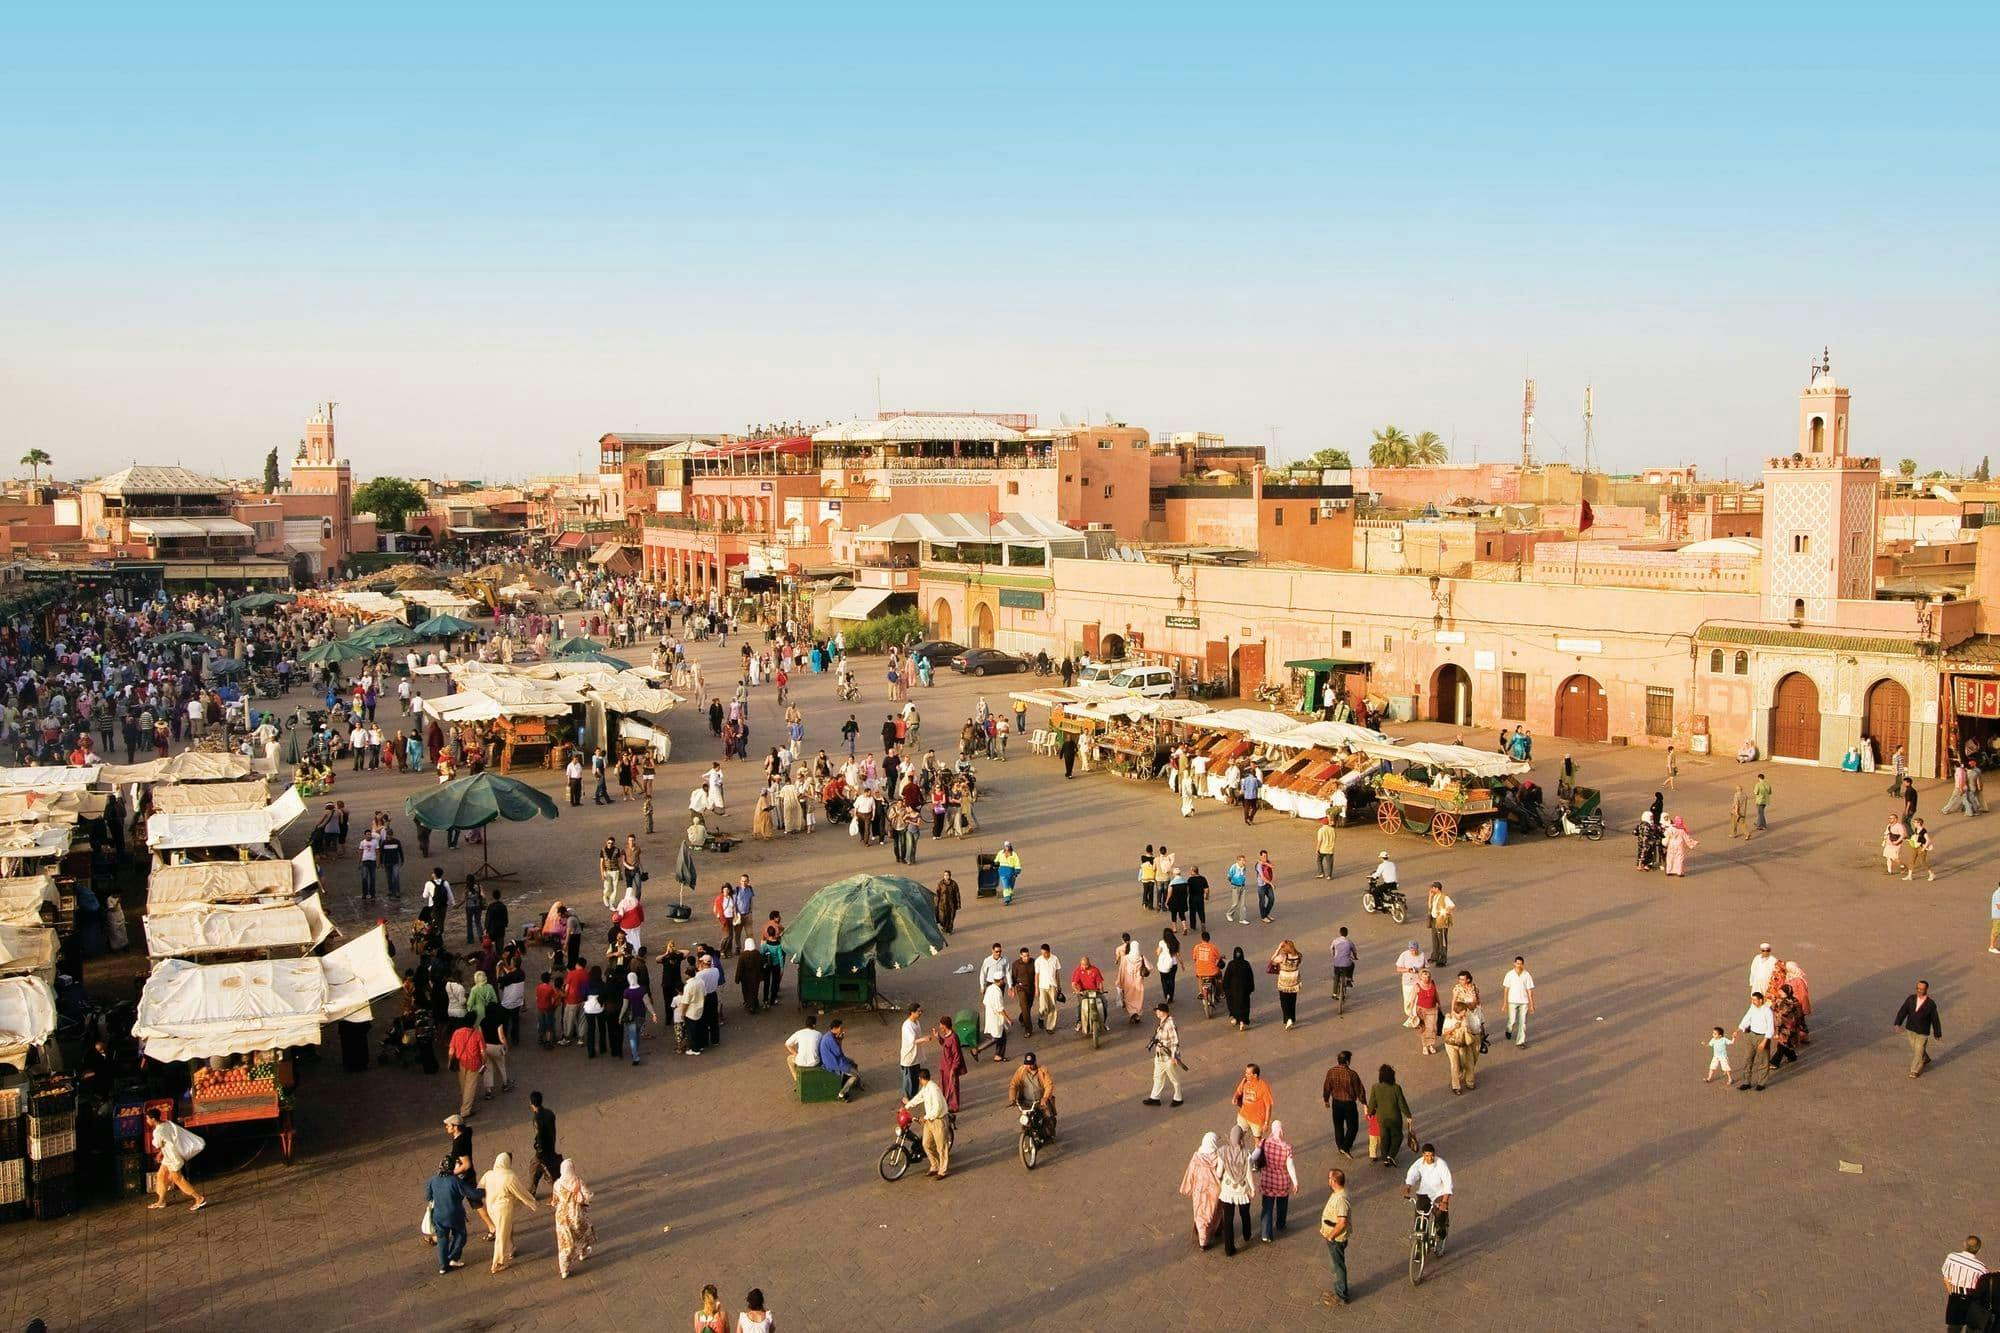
x: 1528, y: 425
x: 1589, y: 412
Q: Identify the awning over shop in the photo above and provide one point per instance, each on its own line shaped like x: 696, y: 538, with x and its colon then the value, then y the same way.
x: 860, y: 604
x: 209, y: 797
x: 1329, y: 664
x: 227, y: 828
x: 49, y: 779
x: 198, y: 928
x: 191, y: 1011
x: 229, y: 882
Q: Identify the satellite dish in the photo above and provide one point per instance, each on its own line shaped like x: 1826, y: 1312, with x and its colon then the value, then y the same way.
x: 1064, y: 417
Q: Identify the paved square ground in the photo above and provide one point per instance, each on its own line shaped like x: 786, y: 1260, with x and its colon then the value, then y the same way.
x: 1600, y: 1183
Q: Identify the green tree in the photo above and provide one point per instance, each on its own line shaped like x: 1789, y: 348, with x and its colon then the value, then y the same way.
x: 1327, y: 458
x: 1427, y: 448
x: 271, y: 471
x: 1984, y: 472
x: 1908, y: 467
x: 390, y: 499
x: 35, y: 460
x: 1391, y: 448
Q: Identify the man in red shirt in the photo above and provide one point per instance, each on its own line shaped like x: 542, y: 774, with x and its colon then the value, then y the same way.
x: 548, y: 1000
x: 468, y: 1057
x: 1088, y: 983
x: 572, y: 1017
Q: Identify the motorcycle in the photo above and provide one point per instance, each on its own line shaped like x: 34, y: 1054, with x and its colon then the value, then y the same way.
x: 1044, y: 667
x: 1380, y: 897
x: 1590, y: 826
x: 1090, y: 1016
x: 1036, y: 1133
x: 848, y: 690
x: 908, y: 1146
x: 1271, y: 694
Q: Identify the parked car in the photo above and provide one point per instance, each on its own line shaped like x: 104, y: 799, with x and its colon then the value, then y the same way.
x: 1155, y: 682
x: 1104, y: 670
x: 987, y: 662
x: 937, y: 651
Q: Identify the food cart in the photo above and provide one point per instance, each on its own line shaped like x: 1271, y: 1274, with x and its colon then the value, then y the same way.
x: 1448, y: 791
x: 1319, y: 770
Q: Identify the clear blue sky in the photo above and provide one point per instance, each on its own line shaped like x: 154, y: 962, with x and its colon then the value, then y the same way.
x: 494, y: 232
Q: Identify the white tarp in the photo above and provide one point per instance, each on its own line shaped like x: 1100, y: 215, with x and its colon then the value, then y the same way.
x: 35, y: 841
x: 1330, y: 736
x: 1257, y: 723
x: 63, y: 807
x: 187, y: 766
x: 1454, y: 758
x: 21, y: 899
x: 197, y: 928
x: 631, y: 729
x: 27, y: 949
x: 221, y: 882
x: 210, y: 797
x: 468, y: 706
x: 227, y: 828
x: 27, y: 1014
x: 50, y: 779
x: 195, y: 1011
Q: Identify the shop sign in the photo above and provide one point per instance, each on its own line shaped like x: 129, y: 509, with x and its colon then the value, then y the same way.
x: 1975, y: 696
x: 1183, y: 622
x: 1021, y: 598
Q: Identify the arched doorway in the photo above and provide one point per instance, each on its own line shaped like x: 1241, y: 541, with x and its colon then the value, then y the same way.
x: 1795, y: 718
x: 1451, y: 695
x: 1111, y: 648
x: 941, y: 620
x: 1886, y: 719
x: 982, y: 626
x: 1582, y: 712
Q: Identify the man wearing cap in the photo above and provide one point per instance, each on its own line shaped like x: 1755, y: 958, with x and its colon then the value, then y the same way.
x: 1408, y: 963
x: 1032, y: 1086
x: 1383, y: 880
x: 1761, y: 968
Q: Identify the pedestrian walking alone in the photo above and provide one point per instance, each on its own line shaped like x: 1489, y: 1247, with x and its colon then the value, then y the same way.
x: 1918, y: 1021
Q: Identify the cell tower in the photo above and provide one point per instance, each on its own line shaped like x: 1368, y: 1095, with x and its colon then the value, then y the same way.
x: 1528, y: 425
x: 1589, y: 412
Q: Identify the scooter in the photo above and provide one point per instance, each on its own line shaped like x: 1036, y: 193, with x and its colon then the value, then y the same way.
x: 1036, y: 1133
x: 909, y: 1144
x: 848, y: 690
x: 1380, y: 897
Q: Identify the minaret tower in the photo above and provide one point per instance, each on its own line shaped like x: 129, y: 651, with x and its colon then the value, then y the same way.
x: 1819, y: 512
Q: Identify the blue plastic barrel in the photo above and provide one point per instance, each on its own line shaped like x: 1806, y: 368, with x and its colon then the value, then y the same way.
x: 1499, y: 833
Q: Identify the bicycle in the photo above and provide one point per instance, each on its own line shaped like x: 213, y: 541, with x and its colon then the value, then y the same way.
x: 1211, y: 995
x: 1424, y: 1242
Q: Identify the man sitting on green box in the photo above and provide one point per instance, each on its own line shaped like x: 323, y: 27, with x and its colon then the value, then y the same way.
x: 833, y: 1059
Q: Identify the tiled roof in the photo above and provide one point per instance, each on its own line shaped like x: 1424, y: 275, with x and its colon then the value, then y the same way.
x: 1979, y: 650
x: 1754, y: 637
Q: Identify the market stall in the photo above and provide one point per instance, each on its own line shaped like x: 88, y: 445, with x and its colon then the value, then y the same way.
x: 1319, y: 770
x: 224, y: 834
x: 1449, y: 791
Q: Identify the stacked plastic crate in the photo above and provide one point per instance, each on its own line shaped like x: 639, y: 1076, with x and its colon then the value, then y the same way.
x: 13, y: 1147
x: 52, y: 1146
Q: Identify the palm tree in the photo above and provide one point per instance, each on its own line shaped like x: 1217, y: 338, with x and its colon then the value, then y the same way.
x: 36, y: 460
x: 1427, y: 448
x: 1390, y: 449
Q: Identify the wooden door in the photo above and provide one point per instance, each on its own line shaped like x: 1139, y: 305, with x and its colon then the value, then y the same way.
x: 1582, y: 712
x: 1249, y: 669
x: 1795, y: 718
x: 1215, y: 661
x: 1887, y: 719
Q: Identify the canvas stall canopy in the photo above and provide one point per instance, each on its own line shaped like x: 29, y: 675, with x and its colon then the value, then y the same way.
x: 1457, y: 758
x: 21, y: 899
x: 230, y: 882
x: 50, y: 779
x: 226, y: 828
x: 27, y: 951
x: 187, y: 766
x: 196, y: 1011
x: 188, y: 929
x: 27, y: 1016
x: 17, y: 807
x: 211, y: 797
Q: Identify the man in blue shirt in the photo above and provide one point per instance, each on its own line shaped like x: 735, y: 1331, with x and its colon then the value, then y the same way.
x: 833, y: 1059
x: 1253, y: 782
x: 448, y: 1194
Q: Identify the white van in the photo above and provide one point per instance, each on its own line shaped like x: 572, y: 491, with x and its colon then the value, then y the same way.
x: 1155, y: 682
x: 1103, y: 670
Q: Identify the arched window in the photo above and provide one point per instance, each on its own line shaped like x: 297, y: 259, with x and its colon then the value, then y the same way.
x: 1715, y: 661
x: 1798, y: 609
x: 1742, y: 663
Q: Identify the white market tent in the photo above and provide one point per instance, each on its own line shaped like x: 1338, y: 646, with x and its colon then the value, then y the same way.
x: 210, y: 797
x: 1330, y: 736
x: 187, y: 766
x: 21, y: 899
x: 192, y: 1011
x: 27, y: 1016
x: 224, y: 828
x: 229, y: 882
x: 27, y: 951
x: 197, y: 928
x: 1459, y: 758
x: 50, y: 779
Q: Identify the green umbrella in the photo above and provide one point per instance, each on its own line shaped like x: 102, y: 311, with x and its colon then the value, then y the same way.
x: 475, y: 802
x: 863, y: 921
x: 606, y: 658
x: 383, y: 634
x: 257, y: 601
x: 292, y: 749
x: 180, y: 637
x: 444, y: 627
x: 335, y: 651
x: 574, y: 644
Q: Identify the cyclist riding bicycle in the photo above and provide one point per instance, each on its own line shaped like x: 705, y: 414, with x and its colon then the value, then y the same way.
x: 1429, y: 1182
x: 1088, y: 983
x: 1207, y: 964
x: 1031, y: 1088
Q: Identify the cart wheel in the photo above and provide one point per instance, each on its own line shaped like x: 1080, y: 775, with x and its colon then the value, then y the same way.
x: 1444, y: 828
x: 1481, y: 832
x: 1390, y: 816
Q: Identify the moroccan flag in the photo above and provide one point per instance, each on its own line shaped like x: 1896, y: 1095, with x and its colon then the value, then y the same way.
x: 1584, y: 521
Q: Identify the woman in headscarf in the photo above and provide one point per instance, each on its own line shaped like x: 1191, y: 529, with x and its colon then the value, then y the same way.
x: 574, y: 1234
x: 635, y: 1010
x: 993, y: 1022
x: 1679, y: 843
x: 1646, y: 842
x: 503, y: 1190
x: 480, y: 997
x: 1131, y: 972
x: 1167, y: 962
x: 1287, y: 959
x: 762, y: 826
x: 1427, y: 1011
x: 950, y: 1060
x: 792, y: 806
x: 630, y: 918
x: 1203, y: 1188
x: 1232, y: 1170
x: 1277, y: 1179
x: 1390, y: 1110
x: 1237, y: 984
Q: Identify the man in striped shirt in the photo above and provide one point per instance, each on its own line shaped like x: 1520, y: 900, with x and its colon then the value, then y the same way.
x: 1965, y: 1303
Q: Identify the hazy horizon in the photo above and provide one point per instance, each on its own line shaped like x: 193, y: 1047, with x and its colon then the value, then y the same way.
x: 494, y: 235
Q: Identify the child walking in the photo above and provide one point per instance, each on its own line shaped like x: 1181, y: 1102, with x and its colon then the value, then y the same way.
x: 1718, y: 1056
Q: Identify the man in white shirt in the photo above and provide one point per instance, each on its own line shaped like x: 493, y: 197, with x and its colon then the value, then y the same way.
x: 1048, y: 988
x: 929, y: 1105
x: 802, y: 1048
x: 196, y: 714
x: 1761, y: 968
x: 1384, y: 877
x: 993, y: 968
x: 1429, y: 1180
x: 694, y: 1014
x: 1993, y: 931
x: 1517, y: 983
x: 913, y: 1038
x: 1408, y: 963
x: 1963, y: 1272
x: 438, y: 898
x: 1762, y: 1028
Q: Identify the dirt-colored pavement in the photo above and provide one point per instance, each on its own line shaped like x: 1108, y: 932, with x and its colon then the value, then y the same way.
x: 1600, y: 1183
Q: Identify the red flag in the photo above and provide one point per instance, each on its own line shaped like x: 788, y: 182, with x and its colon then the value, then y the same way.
x: 1585, y: 520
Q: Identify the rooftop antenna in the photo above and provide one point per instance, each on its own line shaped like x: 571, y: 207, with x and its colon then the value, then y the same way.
x: 1528, y: 424
x: 1274, y: 439
x: 1589, y: 412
